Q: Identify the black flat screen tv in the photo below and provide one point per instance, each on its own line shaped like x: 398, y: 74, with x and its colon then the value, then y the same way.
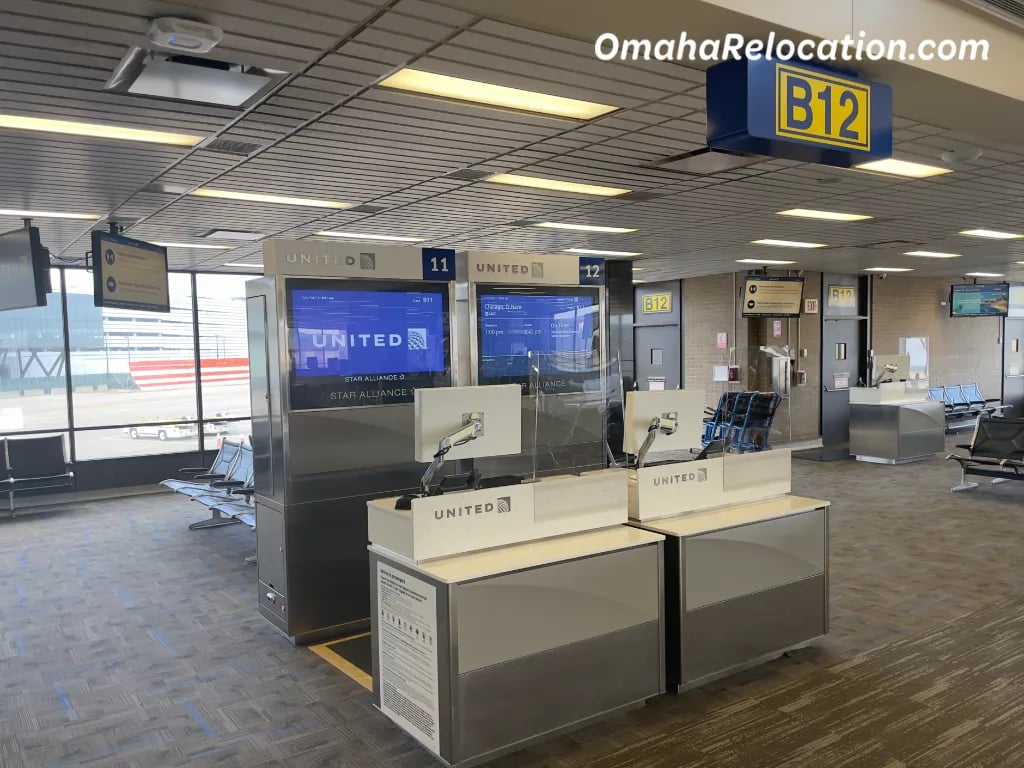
x: 365, y: 342
x: 24, y: 269
x: 981, y: 300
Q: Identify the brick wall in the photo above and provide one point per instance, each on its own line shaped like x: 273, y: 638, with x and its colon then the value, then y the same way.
x: 960, y: 349
x: 710, y: 309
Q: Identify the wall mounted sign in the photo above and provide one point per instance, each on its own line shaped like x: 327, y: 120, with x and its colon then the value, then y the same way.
x: 655, y: 303
x: 842, y: 296
x: 722, y: 340
x: 798, y: 111
x: 776, y: 328
x: 129, y: 273
x: 810, y: 306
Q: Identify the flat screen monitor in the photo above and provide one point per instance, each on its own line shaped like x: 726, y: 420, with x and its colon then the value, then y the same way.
x: 24, y: 269
x: 129, y: 273
x: 550, y: 332
x: 983, y: 300
x: 769, y: 296
x: 362, y: 342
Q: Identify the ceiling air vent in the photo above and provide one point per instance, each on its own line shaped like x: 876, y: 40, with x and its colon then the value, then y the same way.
x: 231, y: 147
x: 642, y: 197
x: 468, y: 174
x: 885, y: 245
x: 142, y: 72
x: 1010, y: 11
x: 366, y: 208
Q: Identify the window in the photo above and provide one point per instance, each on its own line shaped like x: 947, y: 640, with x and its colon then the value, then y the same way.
x: 916, y: 348
x: 33, y: 391
x: 224, y: 356
x: 132, y: 368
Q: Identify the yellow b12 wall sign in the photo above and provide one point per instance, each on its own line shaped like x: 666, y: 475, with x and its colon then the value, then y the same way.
x: 824, y: 109
x: 655, y: 303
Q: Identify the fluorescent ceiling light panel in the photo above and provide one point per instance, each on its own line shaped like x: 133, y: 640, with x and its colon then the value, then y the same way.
x: 894, y: 167
x: 990, y: 234
x: 536, y: 182
x: 590, y: 252
x: 932, y: 254
x: 458, y: 88
x: 233, y: 234
x: 46, y: 214
x: 985, y: 274
x: 788, y: 243
x: 244, y: 264
x: 201, y: 246
x: 639, y: 269
x: 888, y: 269
x: 637, y: 282
x: 767, y: 262
x: 583, y: 227
x: 358, y: 236
x: 807, y: 213
x: 253, y: 197
x: 97, y: 130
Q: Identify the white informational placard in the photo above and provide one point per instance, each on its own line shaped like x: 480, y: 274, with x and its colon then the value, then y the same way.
x: 441, y: 411
x: 642, y: 407
x: 407, y: 653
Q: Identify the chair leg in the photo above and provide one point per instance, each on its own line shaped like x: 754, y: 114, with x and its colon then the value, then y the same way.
x: 10, y: 501
x: 998, y: 480
x: 216, y: 521
x: 250, y: 560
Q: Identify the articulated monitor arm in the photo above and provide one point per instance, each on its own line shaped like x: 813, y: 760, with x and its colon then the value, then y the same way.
x: 889, y: 368
x: 472, y: 428
x: 666, y: 424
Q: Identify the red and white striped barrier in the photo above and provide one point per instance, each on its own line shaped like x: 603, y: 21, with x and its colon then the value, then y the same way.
x: 166, y: 374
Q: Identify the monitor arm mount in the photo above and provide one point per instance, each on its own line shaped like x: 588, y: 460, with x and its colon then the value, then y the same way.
x: 889, y: 368
x: 472, y: 428
x: 666, y: 424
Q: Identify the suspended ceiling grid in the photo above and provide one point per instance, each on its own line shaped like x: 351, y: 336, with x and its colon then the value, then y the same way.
x: 328, y: 132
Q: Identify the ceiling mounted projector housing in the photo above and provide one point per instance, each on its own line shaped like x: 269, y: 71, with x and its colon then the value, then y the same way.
x: 184, y: 35
x: 165, y: 75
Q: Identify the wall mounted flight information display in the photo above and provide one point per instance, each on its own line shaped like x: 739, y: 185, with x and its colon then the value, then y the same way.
x: 555, y: 329
x: 129, y: 273
x: 359, y: 342
x: 987, y: 300
x: 768, y: 296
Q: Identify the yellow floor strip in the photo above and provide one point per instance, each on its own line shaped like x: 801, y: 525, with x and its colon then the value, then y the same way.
x: 340, y: 664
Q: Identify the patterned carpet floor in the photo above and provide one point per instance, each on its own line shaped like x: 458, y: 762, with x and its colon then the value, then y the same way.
x: 128, y: 640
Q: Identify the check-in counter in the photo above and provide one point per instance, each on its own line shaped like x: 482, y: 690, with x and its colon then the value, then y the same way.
x: 894, y: 424
x: 746, y: 564
x: 502, y: 617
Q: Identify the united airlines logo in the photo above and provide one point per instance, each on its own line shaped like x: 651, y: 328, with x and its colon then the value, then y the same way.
x: 501, y: 505
x: 417, y: 338
x: 699, y: 476
x: 368, y: 261
x: 537, y: 269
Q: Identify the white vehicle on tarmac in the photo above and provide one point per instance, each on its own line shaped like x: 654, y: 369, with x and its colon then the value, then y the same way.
x: 168, y: 431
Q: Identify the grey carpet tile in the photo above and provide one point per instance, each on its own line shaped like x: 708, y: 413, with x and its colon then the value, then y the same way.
x: 128, y: 640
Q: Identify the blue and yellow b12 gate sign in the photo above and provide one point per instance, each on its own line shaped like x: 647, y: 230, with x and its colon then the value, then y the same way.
x: 798, y: 111
x: 824, y: 109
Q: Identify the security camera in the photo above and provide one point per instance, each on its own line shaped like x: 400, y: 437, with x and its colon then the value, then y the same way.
x: 883, y: 276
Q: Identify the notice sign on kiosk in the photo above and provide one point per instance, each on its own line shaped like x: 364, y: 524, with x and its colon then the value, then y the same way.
x: 129, y: 274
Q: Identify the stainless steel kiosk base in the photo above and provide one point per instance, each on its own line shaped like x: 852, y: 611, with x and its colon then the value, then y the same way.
x: 743, y: 584
x: 482, y: 654
x: 898, y: 433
